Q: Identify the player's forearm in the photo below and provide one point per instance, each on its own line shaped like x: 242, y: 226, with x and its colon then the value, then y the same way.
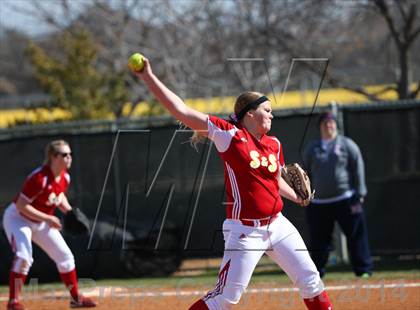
x: 65, y: 205
x: 193, y: 119
x: 286, y: 191
x: 32, y: 213
x: 166, y: 97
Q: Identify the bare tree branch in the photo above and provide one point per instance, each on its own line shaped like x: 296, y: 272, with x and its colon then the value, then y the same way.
x: 383, y: 7
x: 337, y: 84
x: 413, y: 36
x: 47, y: 15
x: 189, y: 42
x: 409, y: 23
x: 402, y: 12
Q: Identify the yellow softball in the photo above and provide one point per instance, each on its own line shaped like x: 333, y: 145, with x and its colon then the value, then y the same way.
x: 136, y: 62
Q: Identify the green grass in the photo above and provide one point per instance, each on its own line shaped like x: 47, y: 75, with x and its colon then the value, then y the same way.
x: 267, y: 274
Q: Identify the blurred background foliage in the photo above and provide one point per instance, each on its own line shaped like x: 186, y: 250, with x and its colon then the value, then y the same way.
x: 76, y: 69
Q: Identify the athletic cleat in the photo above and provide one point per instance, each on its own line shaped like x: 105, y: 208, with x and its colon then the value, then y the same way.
x: 82, y: 302
x: 15, y: 305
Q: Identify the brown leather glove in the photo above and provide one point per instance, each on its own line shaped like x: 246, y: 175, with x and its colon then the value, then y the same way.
x: 298, y: 179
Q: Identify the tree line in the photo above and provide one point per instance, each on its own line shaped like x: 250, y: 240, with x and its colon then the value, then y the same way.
x: 209, y: 48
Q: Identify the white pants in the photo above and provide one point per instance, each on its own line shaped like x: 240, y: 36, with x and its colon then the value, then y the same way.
x: 21, y: 231
x: 244, y: 246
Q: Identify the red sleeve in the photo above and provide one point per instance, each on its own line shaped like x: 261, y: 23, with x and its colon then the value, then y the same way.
x: 220, y: 123
x: 281, y: 157
x: 33, y: 185
x: 279, y: 151
x: 221, y: 132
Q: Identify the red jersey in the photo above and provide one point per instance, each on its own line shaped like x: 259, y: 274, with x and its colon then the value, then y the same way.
x: 251, y: 170
x: 43, y: 191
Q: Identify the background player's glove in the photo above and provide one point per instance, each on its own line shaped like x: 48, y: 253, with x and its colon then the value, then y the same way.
x: 76, y: 222
x: 298, y: 179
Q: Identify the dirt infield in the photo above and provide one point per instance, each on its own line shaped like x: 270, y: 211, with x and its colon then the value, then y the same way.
x: 357, y: 295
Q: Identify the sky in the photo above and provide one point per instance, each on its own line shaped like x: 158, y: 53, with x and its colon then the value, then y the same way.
x: 10, y: 17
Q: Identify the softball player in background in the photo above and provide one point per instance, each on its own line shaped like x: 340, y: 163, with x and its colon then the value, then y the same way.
x: 31, y: 217
x: 254, y: 224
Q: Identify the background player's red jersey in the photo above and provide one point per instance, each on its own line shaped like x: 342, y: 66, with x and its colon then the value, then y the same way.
x: 43, y: 191
x: 251, y: 170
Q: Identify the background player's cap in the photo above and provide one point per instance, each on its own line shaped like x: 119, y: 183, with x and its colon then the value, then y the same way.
x: 326, y: 116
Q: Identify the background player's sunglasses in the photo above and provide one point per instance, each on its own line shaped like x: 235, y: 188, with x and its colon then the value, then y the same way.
x: 64, y: 154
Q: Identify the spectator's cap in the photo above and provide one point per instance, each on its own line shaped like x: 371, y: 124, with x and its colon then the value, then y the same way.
x: 326, y: 116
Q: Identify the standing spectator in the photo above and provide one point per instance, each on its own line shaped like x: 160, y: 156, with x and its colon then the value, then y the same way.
x: 335, y: 166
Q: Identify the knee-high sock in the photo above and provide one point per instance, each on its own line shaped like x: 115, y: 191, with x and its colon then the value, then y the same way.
x: 199, y: 305
x: 70, y: 281
x: 320, y: 302
x: 16, y: 281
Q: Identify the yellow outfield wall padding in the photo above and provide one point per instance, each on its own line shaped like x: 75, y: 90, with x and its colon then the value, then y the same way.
x: 214, y: 105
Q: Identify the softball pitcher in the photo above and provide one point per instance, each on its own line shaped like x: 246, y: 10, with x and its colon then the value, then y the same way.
x: 31, y: 217
x: 254, y: 224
